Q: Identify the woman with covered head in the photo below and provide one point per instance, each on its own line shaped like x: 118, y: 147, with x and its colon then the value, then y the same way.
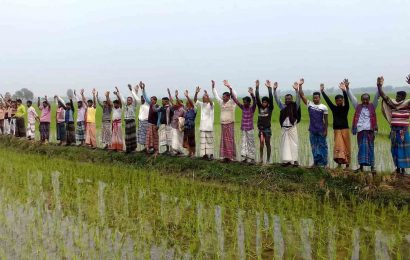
x: 365, y: 127
x: 80, y: 129
x: 397, y: 113
x: 177, y: 124
x: 289, y: 118
x: 45, y: 119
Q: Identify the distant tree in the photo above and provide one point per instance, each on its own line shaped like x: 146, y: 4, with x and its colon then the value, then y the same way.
x: 23, y: 93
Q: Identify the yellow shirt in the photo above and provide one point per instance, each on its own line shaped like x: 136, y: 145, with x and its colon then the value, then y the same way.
x: 91, y: 114
x: 21, y: 111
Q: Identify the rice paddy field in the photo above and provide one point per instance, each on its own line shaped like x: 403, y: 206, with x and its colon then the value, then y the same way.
x: 76, y: 203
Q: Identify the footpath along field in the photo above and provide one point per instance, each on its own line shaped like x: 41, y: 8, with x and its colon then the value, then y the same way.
x: 384, y: 162
x: 70, y: 202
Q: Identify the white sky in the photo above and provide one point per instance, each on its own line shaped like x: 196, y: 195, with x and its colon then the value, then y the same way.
x: 50, y: 46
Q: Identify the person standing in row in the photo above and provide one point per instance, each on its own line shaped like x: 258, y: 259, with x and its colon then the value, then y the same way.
x: 142, y: 119
x: 341, y: 131
x: 20, y: 125
x: 318, y: 124
x: 116, y: 137
x: 31, y: 118
x: 106, y: 132
x: 152, y: 142
x: 397, y: 113
x: 129, y: 118
x: 81, y: 110
x: 365, y: 127
x: 60, y: 120
x: 45, y: 120
x: 228, y: 147
x: 289, y: 117
x: 165, y: 130
x: 248, y: 135
x: 265, y: 109
x: 177, y: 124
x: 90, y: 136
x: 2, y: 117
x: 69, y: 122
x: 189, y: 126
x: 206, y: 125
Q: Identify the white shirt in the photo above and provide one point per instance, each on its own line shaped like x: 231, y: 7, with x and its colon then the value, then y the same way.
x: 364, y: 120
x: 31, y: 115
x: 227, y: 108
x: 116, y: 113
x: 207, y: 116
x: 144, y: 108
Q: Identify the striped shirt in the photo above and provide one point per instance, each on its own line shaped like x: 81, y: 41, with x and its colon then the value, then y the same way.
x: 247, y: 113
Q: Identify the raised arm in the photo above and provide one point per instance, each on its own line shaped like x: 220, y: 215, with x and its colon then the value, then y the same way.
x: 134, y: 95
x: 39, y: 103
x: 83, y: 97
x: 216, y: 96
x: 72, y: 104
x: 99, y: 101
x: 253, y: 108
x: 107, y: 99
x: 258, y: 99
x: 234, y: 97
x: 59, y: 99
x: 298, y: 88
x: 137, y: 96
x: 144, y: 94
x: 120, y: 97
x: 380, y: 81
x: 197, y: 90
x: 188, y: 99
x: 77, y: 98
x: 117, y: 93
x: 275, y: 94
x: 171, y: 99
x: 326, y: 98
x: 352, y: 98
x: 94, y: 99
x: 376, y: 99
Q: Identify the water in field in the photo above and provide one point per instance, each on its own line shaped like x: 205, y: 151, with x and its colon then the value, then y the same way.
x: 55, y: 209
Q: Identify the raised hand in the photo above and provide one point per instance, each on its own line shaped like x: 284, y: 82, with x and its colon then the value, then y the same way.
x: 55, y: 97
x: 275, y: 85
x: 206, y: 93
x: 142, y: 85
x: 301, y: 81
x: 347, y: 83
x: 107, y: 93
x: 342, y: 86
x: 136, y: 88
x: 94, y: 91
x: 268, y: 84
x: 295, y: 86
x: 408, y: 79
x: 82, y: 91
x: 186, y: 93
x: 380, y: 81
x: 169, y: 91
x: 322, y: 87
x: 250, y: 91
x: 198, y: 89
x: 45, y: 97
x: 257, y: 83
x: 226, y: 84
x: 130, y: 87
x: 75, y: 94
x: 213, y: 83
x: 176, y: 93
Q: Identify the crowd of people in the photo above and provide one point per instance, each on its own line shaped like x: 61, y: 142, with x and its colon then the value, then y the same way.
x: 172, y: 124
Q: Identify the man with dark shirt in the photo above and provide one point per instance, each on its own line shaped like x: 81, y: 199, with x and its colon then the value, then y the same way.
x: 340, y: 111
x: 265, y: 109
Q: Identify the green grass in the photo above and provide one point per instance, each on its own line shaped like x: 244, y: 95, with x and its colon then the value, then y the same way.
x: 115, y: 204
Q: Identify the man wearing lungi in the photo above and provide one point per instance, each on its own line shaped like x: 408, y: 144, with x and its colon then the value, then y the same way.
x: 397, y: 113
x: 248, y: 136
x: 318, y: 115
x: 142, y: 119
x: 165, y: 114
x: 80, y: 130
x: 365, y: 127
x: 340, y: 111
x: 20, y: 126
x: 152, y: 142
x: 129, y: 118
x: 106, y: 131
x: 206, y: 125
x: 228, y: 146
x: 289, y: 118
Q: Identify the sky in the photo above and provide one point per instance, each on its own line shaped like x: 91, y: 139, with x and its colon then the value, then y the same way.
x: 50, y: 46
